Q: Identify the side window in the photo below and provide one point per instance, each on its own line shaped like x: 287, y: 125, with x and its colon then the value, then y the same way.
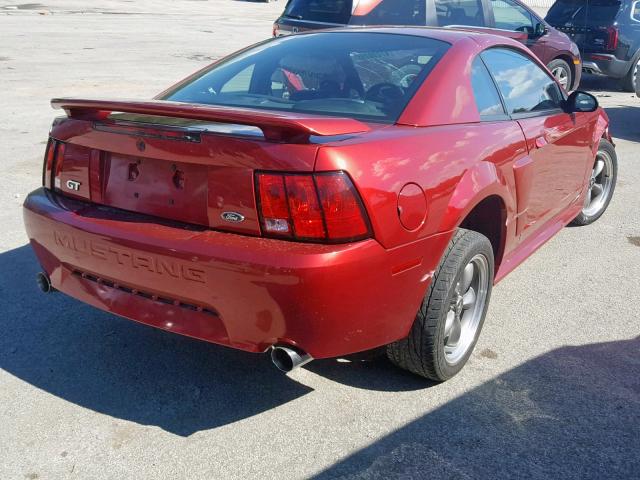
x: 239, y: 83
x: 511, y: 16
x: 525, y: 87
x: 397, y: 12
x: 635, y: 11
x: 484, y: 91
x: 459, y: 12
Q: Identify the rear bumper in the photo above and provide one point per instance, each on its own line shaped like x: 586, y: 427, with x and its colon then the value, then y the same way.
x: 244, y: 292
x: 605, y: 64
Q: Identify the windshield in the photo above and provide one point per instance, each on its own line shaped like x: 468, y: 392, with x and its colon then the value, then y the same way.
x: 360, y: 75
x: 326, y: 11
x: 583, y: 12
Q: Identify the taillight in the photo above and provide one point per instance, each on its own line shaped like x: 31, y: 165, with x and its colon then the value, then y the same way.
x: 52, y: 163
x: 58, y: 161
x: 274, y: 30
x: 323, y: 207
x: 48, y: 163
x: 612, y: 38
x: 342, y: 209
x: 274, y: 207
x: 304, y: 207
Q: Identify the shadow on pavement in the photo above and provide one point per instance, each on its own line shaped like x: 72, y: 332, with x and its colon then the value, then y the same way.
x: 598, y: 83
x: 123, y: 369
x: 369, y: 371
x: 625, y: 119
x: 625, y: 122
x: 573, y: 413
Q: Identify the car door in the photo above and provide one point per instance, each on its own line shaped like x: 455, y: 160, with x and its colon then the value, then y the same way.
x: 558, y: 143
x: 511, y: 15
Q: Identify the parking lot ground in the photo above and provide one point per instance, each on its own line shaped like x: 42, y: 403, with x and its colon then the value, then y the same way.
x: 552, y: 390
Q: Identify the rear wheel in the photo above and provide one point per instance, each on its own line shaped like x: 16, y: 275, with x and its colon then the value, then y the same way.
x: 629, y: 80
x: 602, y: 183
x: 450, y: 318
x: 561, y: 70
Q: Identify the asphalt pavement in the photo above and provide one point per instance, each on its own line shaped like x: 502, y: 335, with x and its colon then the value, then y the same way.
x: 552, y: 390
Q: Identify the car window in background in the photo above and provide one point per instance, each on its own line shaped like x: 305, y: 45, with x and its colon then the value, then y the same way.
x: 509, y: 15
x: 459, y: 12
x: 361, y: 75
x: 583, y: 12
x: 485, y: 92
x: 525, y: 87
x: 394, y: 12
x: 329, y: 11
x: 635, y: 11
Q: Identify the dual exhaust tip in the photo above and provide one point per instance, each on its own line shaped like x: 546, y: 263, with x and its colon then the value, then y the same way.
x: 284, y: 358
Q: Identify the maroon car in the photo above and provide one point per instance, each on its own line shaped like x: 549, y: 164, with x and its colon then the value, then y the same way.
x: 504, y: 17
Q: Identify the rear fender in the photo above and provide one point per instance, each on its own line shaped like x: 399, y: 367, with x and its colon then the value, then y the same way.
x: 477, y: 183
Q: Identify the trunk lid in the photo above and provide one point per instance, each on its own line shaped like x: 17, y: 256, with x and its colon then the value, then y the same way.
x: 183, y: 162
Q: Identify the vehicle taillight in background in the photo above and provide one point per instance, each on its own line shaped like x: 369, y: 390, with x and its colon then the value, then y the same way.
x: 323, y: 207
x: 612, y: 38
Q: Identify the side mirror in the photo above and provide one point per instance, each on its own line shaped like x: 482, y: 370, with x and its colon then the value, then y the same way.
x: 580, y: 102
x: 539, y: 30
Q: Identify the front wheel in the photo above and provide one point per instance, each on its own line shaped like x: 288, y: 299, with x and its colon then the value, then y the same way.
x: 561, y: 70
x: 602, y: 183
x: 450, y: 318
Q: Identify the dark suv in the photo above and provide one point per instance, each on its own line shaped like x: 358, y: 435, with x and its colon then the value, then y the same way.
x: 504, y: 17
x: 607, y: 32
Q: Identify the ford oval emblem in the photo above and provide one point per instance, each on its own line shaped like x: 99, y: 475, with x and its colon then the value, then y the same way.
x: 232, y: 217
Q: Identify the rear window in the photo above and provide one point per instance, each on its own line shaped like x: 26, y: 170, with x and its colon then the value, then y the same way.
x: 583, y: 12
x: 361, y: 75
x: 326, y: 11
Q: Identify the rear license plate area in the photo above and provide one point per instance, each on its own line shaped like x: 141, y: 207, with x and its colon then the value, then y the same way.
x: 172, y: 190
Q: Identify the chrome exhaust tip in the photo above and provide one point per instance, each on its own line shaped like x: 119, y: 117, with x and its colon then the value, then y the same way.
x: 44, y: 283
x: 286, y: 359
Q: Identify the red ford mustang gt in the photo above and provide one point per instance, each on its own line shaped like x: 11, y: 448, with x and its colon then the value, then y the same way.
x: 322, y: 194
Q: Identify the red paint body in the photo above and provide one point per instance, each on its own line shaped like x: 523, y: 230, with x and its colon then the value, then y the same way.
x: 172, y: 266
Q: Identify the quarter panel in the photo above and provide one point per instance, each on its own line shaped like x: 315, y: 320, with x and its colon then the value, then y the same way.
x: 455, y: 165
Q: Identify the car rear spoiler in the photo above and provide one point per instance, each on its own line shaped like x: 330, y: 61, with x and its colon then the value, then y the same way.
x: 276, y: 126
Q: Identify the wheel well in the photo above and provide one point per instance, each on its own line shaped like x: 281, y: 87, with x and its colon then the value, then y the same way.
x: 489, y: 217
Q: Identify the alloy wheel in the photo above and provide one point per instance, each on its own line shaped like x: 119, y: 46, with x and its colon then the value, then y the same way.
x: 562, y: 76
x: 466, y: 309
x: 600, y: 183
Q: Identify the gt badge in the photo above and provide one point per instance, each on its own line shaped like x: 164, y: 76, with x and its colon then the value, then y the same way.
x: 73, y: 185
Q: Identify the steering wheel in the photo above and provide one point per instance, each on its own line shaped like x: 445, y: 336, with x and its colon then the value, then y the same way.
x: 384, y: 92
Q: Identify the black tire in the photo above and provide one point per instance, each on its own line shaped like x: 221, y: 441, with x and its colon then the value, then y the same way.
x: 628, y: 82
x: 423, y: 351
x: 585, y: 217
x: 559, y: 64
